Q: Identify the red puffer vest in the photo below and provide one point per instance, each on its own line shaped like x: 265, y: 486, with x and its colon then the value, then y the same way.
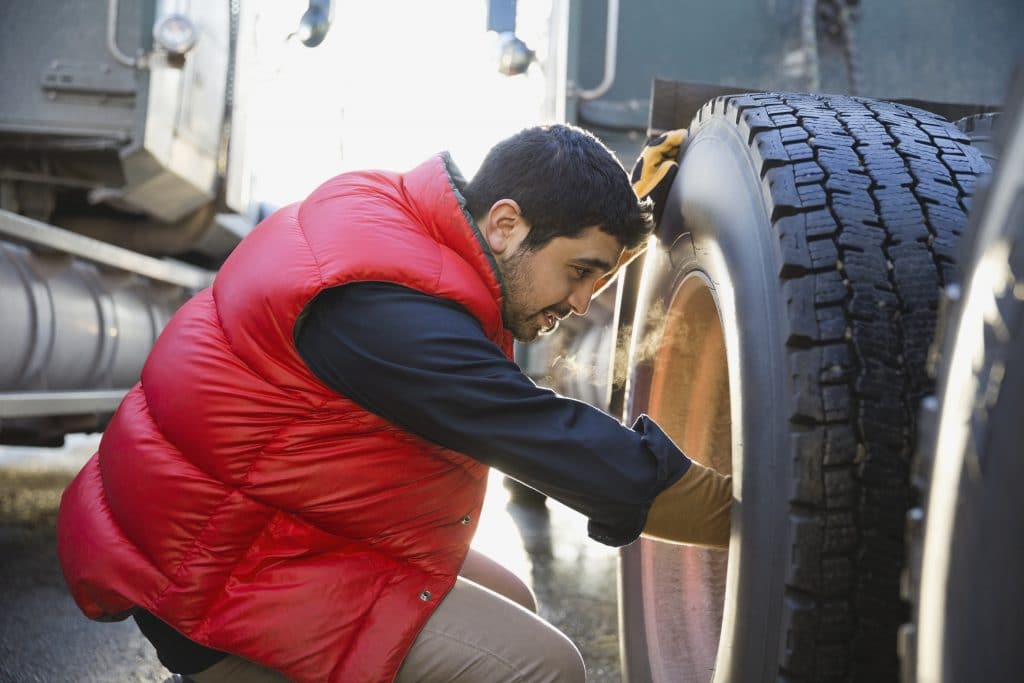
x: 249, y: 506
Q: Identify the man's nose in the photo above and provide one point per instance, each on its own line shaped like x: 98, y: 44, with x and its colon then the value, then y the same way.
x: 579, y: 300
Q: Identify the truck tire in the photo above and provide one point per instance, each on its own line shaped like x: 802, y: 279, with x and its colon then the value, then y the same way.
x: 965, y: 551
x: 781, y: 333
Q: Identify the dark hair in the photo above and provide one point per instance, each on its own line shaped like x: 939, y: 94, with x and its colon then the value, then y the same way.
x: 564, y: 180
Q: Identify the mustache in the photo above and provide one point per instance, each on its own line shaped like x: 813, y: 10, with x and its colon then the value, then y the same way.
x: 560, y: 313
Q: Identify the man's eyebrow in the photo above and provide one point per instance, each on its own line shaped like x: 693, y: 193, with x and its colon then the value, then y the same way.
x: 596, y: 263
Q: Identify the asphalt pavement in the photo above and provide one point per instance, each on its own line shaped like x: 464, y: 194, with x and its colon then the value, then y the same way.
x: 45, y: 639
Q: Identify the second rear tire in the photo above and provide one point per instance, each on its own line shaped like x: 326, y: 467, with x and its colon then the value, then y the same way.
x: 965, y: 541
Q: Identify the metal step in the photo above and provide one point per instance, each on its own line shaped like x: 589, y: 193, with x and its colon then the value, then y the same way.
x: 21, y: 404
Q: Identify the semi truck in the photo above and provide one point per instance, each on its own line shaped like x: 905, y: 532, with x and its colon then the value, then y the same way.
x: 782, y: 325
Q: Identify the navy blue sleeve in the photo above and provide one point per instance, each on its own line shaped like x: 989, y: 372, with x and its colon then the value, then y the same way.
x: 425, y: 364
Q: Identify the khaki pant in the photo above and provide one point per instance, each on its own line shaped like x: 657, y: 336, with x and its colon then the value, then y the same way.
x: 485, y: 631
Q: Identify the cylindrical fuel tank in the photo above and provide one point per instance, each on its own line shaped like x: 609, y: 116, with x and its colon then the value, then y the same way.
x: 69, y: 324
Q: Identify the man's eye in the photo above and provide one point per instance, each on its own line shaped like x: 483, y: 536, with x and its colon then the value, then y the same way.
x: 581, y: 272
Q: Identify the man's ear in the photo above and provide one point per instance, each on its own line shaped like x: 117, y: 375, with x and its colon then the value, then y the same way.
x: 504, y: 227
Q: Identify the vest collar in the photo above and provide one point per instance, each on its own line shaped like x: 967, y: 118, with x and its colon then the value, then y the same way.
x: 435, y: 187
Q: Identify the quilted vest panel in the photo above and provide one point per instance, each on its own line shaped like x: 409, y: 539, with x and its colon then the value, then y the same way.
x: 245, y: 503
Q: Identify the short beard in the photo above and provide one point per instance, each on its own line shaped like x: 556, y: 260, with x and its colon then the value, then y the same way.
x: 517, y: 290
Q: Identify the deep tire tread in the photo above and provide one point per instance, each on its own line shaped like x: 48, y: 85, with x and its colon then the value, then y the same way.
x: 868, y: 200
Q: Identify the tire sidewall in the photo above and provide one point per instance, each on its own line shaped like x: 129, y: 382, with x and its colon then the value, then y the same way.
x: 728, y: 240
